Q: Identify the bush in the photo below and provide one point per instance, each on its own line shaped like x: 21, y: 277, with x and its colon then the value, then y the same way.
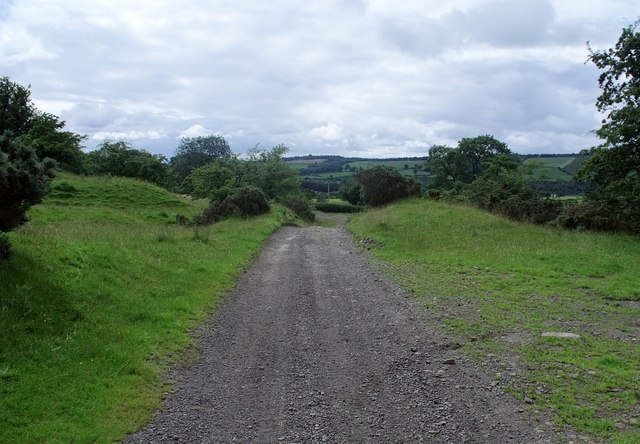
x: 531, y: 209
x: 434, y: 194
x: 218, y: 210
x: 249, y: 201
x: 5, y: 247
x: 337, y: 207
x: 300, y: 205
x: 24, y: 180
x: 589, y: 215
x: 351, y: 192
x: 383, y: 184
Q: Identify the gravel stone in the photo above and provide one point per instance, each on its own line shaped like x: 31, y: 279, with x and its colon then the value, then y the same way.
x: 314, y: 345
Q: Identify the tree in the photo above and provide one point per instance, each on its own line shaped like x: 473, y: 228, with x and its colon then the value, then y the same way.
x: 16, y: 109
x: 268, y: 171
x: 194, y: 152
x: 351, y: 192
x: 214, y: 180
x: 613, y: 169
x: 24, y: 180
x: 453, y: 168
x: 120, y: 159
x: 384, y: 184
x: 48, y: 139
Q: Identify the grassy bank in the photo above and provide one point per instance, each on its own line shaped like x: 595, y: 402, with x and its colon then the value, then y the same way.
x: 99, y: 299
x: 498, y: 286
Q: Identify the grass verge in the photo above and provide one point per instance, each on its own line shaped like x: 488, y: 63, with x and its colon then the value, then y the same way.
x: 499, y: 285
x: 99, y: 299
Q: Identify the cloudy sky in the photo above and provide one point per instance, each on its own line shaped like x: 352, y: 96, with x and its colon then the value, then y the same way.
x: 368, y: 78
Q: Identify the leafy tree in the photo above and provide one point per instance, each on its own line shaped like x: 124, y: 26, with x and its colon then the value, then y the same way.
x: 24, y: 180
x: 46, y: 136
x: 614, y: 166
x: 16, y: 109
x: 214, y: 180
x: 268, y: 171
x: 42, y: 131
x: 444, y: 163
x: 351, y: 192
x: 120, y: 159
x: 384, y: 184
x: 194, y: 152
x: 454, y: 167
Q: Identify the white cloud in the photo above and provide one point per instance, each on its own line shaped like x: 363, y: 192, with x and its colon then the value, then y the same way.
x: 196, y: 131
x: 372, y: 77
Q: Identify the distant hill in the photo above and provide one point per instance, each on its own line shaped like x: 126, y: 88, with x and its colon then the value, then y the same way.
x: 326, y: 173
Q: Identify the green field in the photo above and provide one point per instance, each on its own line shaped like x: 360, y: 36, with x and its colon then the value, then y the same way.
x: 497, y: 286
x: 99, y: 299
x: 551, y: 168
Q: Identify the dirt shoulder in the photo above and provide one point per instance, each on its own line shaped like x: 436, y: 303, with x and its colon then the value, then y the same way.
x: 314, y: 345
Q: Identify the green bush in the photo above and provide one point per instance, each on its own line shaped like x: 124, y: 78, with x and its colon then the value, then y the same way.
x: 351, y: 192
x: 382, y: 185
x: 337, y: 207
x: 589, y: 215
x: 24, y: 180
x: 217, y: 211
x: 300, y: 205
x: 5, y: 247
x: 249, y: 201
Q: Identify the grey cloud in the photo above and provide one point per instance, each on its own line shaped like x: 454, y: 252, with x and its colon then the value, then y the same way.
x: 336, y: 76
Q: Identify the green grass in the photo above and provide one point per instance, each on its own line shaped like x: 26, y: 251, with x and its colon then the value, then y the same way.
x: 99, y: 299
x: 551, y: 168
x: 497, y: 285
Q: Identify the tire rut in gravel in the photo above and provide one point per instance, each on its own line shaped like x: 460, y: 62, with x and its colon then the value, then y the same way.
x: 314, y: 345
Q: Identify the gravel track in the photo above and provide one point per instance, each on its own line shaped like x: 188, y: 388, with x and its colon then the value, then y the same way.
x: 314, y: 345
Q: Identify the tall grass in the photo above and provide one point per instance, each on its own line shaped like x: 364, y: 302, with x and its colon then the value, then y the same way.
x: 498, y: 285
x: 98, y: 301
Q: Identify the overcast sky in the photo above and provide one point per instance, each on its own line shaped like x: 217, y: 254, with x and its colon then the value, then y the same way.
x: 368, y: 78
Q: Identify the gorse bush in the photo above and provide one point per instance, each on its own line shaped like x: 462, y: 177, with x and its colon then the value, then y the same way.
x: 24, y: 180
x: 244, y: 201
x: 382, y: 185
x: 249, y: 201
x: 299, y: 204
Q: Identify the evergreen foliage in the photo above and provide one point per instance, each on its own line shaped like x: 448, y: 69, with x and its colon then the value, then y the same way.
x: 24, y: 180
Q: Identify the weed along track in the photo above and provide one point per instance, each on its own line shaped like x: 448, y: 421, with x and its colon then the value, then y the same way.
x: 314, y: 345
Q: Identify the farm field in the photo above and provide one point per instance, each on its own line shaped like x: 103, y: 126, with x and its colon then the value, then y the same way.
x: 547, y: 168
x: 499, y: 286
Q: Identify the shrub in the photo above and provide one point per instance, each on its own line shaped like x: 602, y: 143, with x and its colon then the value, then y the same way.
x: 383, y: 184
x: 434, y: 194
x: 530, y: 209
x: 300, y: 205
x: 589, y: 215
x: 5, y: 247
x: 218, y: 210
x: 337, y: 207
x: 351, y: 192
x: 24, y: 180
x: 249, y: 201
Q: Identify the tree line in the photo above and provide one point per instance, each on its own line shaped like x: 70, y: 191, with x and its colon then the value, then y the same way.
x: 484, y: 172
x: 34, y: 145
x: 480, y: 170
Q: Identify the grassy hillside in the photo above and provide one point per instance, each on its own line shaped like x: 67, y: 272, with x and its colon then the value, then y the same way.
x: 498, y: 286
x: 552, y: 168
x: 98, y: 300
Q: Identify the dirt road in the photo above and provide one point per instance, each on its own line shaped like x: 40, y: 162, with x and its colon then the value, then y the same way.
x: 315, y: 346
